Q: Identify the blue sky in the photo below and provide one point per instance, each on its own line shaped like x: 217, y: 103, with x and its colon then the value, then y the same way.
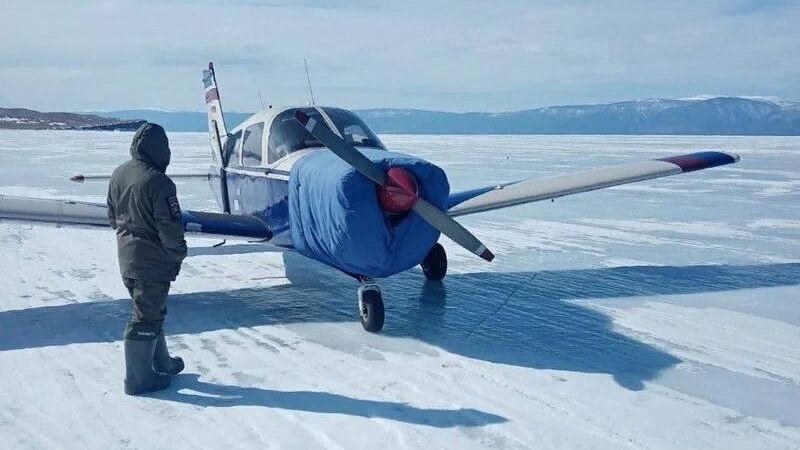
x: 447, y: 55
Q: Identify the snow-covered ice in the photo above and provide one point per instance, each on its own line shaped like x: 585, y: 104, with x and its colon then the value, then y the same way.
x: 664, y: 314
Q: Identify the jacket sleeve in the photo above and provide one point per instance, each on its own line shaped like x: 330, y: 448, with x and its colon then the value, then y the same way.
x: 112, y: 213
x: 167, y: 215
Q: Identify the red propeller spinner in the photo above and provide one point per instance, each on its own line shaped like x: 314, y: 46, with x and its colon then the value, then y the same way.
x: 400, y: 193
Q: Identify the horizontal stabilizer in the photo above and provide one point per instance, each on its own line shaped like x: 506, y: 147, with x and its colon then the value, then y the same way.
x: 80, y: 178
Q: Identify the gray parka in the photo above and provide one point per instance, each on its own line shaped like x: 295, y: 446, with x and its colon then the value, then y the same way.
x: 144, y: 209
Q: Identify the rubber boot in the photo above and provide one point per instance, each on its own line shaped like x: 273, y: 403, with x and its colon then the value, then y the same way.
x: 140, y: 378
x: 162, y: 362
x: 140, y: 346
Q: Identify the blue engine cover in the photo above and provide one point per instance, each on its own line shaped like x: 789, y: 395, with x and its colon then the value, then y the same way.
x: 335, y: 216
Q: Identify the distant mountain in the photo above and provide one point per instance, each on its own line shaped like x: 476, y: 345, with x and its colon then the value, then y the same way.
x: 720, y: 115
x: 28, y: 119
x: 701, y: 115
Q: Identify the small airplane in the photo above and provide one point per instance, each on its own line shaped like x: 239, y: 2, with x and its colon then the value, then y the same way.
x: 318, y: 181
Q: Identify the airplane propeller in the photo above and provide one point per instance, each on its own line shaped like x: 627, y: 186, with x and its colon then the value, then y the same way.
x: 430, y: 213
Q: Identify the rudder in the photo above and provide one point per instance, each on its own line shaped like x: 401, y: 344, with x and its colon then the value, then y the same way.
x: 218, y: 136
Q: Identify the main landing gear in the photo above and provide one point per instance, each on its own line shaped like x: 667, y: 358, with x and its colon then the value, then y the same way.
x: 434, y: 266
x: 370, y: 305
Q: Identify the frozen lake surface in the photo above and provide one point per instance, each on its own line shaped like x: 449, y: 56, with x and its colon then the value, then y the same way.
x: 664, y: 314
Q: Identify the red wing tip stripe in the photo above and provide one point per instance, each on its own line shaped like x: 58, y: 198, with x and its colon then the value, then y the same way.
x: 701, y: 160
x: 212, y: 95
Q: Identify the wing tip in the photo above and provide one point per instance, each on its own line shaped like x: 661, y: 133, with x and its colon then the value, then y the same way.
x: 701, y: 160
x: 487, y: 255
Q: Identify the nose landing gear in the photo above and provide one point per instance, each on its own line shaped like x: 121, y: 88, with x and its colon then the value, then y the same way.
x: 370, y: 299
x: 434, y: 266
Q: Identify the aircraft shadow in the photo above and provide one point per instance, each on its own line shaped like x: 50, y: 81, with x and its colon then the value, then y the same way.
x: 189, y: 389
x: 527, y: 319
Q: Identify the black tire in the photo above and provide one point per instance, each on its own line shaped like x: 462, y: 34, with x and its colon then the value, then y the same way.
x: 434, y: 266
x: 372, y: 312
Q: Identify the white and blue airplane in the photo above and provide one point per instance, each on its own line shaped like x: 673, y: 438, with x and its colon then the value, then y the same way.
x: 318, y: 181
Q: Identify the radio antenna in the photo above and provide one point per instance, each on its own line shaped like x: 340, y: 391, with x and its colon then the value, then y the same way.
x: 260, y: 100
x: 308, y: 79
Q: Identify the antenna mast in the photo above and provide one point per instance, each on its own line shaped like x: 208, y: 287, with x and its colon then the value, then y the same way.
x: 308, y: 79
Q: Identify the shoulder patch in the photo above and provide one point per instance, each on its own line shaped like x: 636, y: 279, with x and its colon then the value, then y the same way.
x: 174, y: 207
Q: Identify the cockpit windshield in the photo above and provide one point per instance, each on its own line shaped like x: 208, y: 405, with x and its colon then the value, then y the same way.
x: 286, y: 135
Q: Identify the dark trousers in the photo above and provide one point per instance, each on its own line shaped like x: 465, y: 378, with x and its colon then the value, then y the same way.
x: 149, y: 308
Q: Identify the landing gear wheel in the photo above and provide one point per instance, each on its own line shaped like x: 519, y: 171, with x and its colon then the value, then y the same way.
x: 434, y: 266
x: 370, y: 307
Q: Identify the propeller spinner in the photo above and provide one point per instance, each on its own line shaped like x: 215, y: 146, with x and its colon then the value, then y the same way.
x: 397, y: 188
x: 400, y: 193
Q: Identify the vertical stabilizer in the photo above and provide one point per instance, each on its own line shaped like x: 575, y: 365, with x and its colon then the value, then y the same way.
x: 216, y: 120
x: 218, y: 136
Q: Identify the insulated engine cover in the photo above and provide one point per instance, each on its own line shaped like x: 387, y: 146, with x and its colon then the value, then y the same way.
x: 336, y: 218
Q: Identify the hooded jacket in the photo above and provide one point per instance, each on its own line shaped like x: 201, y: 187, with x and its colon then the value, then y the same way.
x: 144, y: 209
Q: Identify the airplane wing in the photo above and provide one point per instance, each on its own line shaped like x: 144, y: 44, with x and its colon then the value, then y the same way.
x: 537, y: 189
x: 68, y: 213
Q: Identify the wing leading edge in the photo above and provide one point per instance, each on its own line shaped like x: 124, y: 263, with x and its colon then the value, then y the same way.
x: 534, y: 190
x: 70, y: 213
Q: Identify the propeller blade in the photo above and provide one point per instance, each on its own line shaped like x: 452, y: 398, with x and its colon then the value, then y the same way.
x: 341, y: 148
x: 452, y: 229
x: 430, y: 213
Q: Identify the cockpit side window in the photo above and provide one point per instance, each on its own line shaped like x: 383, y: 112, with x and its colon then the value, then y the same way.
x: 251, y: 145
x: 286, y: 135
x: 231, y: 158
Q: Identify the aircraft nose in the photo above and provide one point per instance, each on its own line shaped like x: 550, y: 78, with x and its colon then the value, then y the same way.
x: 400, y: 193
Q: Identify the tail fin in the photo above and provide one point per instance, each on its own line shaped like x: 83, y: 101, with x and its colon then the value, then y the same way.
x: 218, y: 132
x: 218, y: 136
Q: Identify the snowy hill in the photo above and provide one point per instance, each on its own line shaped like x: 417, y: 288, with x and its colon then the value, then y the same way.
x: 28, y: 119
x: 714, y: 116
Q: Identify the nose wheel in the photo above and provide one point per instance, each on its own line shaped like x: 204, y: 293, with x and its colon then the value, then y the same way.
x: 434, y: 266
x: 370, y: 306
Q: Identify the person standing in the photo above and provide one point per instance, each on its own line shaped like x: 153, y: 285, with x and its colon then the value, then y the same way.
x: 143, y: 208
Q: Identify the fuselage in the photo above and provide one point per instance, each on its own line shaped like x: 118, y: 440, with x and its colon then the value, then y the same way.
x: 260, y: 156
